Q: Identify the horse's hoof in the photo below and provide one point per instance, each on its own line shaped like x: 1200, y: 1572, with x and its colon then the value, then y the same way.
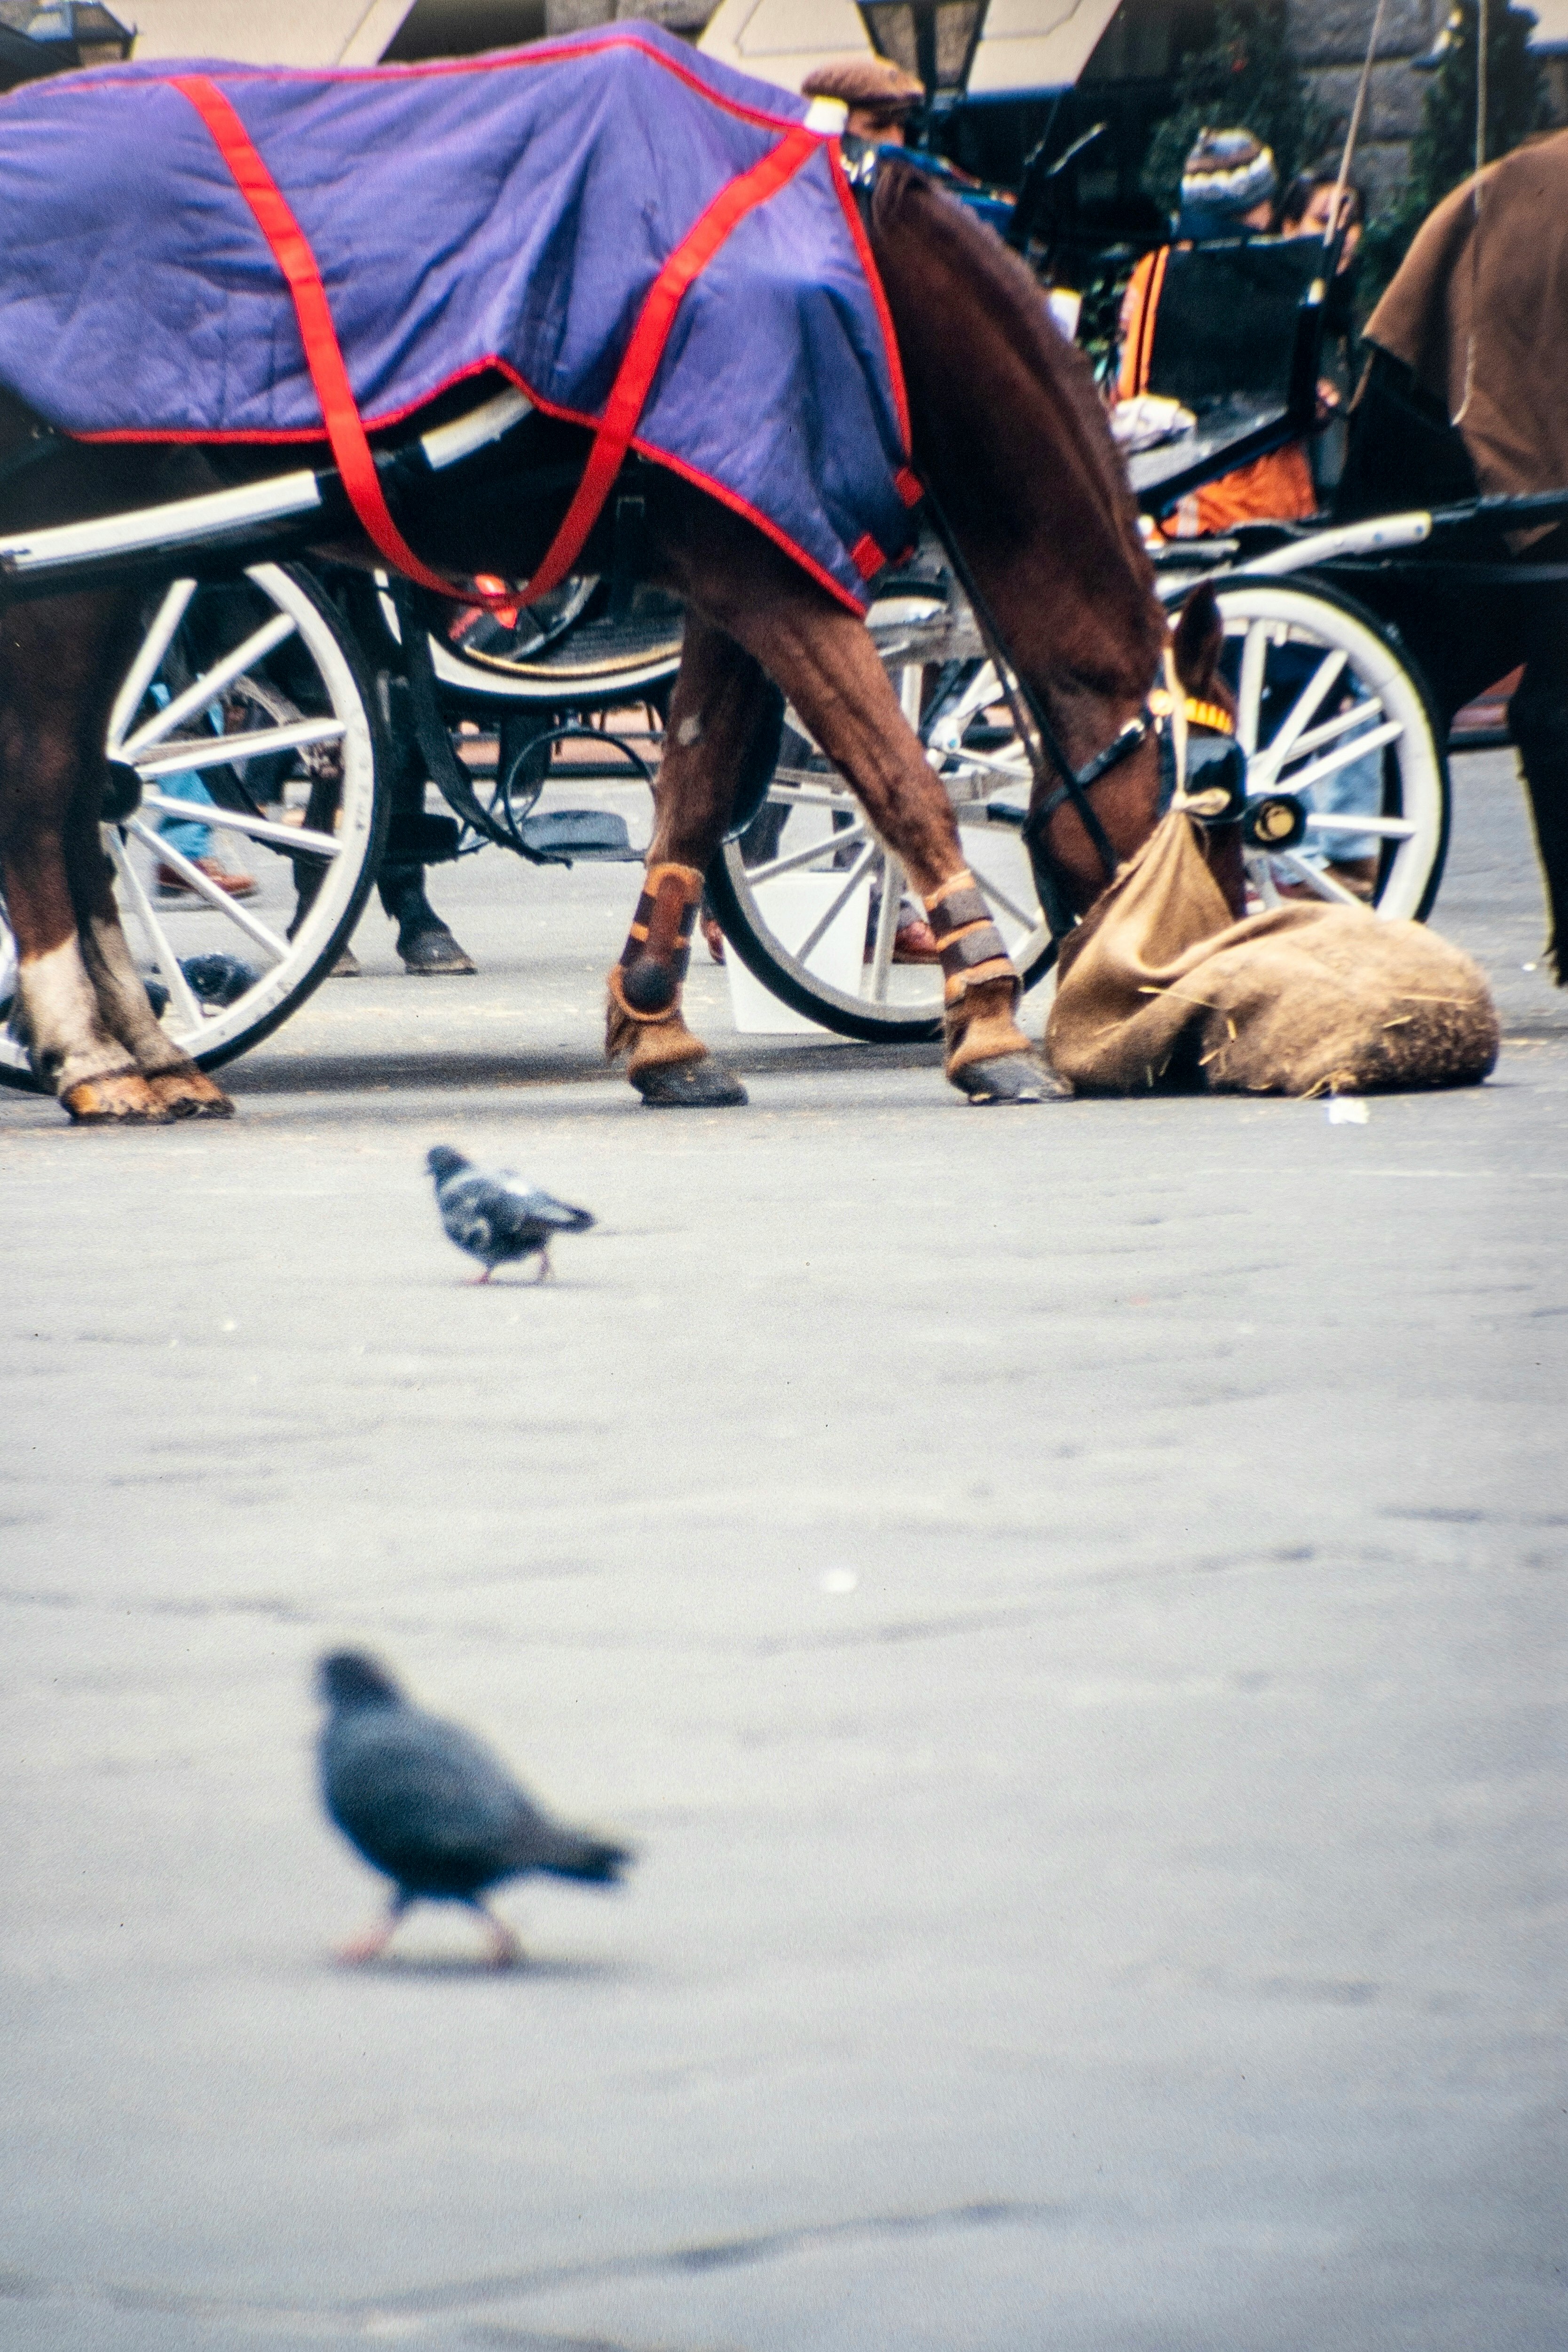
x: 1009, y: 1079
x: 435, y: 955
x: 347, y: 967
x: 126, y: 1100
x: 689, y: 1086
x: 191, y: 1094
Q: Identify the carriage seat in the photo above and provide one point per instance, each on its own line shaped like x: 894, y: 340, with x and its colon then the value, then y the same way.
x: 1237, y: 338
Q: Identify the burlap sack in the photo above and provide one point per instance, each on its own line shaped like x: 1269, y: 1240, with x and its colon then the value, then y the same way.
x: 1157, y: 984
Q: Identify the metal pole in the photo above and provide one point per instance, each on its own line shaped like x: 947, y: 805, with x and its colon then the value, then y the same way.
x: 1331, y: 228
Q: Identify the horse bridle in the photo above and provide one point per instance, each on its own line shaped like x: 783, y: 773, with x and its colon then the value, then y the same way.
x: 1165, y: 715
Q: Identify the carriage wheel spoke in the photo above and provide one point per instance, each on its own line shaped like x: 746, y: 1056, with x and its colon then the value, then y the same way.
x: 1345, y: 757
x: 144, y: 669
x: 825, y: 922
x: 206, y: 887
x: 195, y: 752
x: 181, y: 995
x: 1316, y: 880
x: 298, y: 839
x: 1386, y: 828
x: 1301, y: 713
x: 997, y: 898
x: 1260, y: 875
x: 798, y: 788
x: 1365, y: 713
x: 819, y: 849
x: 1250, y: 687
x: 209, y: 687
x: 886, y: 927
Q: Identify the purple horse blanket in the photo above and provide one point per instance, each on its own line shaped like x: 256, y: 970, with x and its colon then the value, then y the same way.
x: 516, y: 211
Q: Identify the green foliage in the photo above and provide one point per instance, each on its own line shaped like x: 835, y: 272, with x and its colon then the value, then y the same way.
x: 1247, y: 78
x: 1443, y: 152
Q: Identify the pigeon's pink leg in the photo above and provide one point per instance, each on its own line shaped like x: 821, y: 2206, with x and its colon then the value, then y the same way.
x: 478, y: 1279
x: 374, y: 1941
x: 546, y: 1272
x: 505, y: 1944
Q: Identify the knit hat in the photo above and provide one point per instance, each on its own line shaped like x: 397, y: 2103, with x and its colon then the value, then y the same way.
x: 871, y: 82
x: 1225, y: 176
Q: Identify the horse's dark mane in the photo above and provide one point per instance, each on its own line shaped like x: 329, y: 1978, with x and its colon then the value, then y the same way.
x: 906, y: 205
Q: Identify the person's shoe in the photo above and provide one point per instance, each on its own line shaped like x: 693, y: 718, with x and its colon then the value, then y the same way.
x: 915, y: 941
x: 173, y: 885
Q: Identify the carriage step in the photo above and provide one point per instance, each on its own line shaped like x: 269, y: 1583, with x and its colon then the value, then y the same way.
x: 560, y: 835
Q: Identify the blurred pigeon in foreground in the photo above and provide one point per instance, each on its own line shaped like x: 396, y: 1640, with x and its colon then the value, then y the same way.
x: 429, y: 1805
x: 498, y: 1218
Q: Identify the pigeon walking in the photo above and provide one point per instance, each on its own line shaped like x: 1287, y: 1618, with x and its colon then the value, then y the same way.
x: 498, y: 1218
x: 432, y: 1808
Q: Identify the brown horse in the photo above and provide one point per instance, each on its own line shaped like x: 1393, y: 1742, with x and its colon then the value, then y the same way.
x: 1466, y: 394
x: 1011, y: 438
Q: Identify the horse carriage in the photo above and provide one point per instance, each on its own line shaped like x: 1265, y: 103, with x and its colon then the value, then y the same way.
x: 294, y: 689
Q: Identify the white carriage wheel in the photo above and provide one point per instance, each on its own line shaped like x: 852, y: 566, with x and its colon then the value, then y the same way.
x: 280, y: 659
x: 1329, y: 688
x: 823, y: 837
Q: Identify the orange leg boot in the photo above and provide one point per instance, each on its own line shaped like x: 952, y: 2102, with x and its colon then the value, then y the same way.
x: 989, y: 1057
x: 669, y: 1067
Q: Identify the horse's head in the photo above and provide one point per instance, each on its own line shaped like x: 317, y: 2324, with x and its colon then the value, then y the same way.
x: 1075, y: 859
x: 1011, y: 440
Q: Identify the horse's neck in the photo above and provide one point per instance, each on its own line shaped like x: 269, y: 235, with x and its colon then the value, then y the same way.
x: 1075, y: 601
x: 1021, y: 466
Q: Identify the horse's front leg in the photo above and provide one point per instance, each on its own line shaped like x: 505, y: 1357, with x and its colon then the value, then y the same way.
x: 826, y: 663
x: 724, y: 721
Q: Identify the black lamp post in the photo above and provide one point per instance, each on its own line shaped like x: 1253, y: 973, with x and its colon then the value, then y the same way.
x: 48, y: 37
x: 933, y: 38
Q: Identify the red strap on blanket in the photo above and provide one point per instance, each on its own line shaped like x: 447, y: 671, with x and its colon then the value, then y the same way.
x: 340, y: 411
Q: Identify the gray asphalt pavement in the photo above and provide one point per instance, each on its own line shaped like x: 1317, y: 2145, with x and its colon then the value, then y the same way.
x: 1068, y: 1603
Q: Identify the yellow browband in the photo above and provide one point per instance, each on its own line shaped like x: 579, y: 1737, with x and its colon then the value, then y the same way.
x: 1198, y: 714
x: 1209, y: 715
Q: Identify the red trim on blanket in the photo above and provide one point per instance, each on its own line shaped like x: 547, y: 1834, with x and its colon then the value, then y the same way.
x: 541, y: 53
x: 867, y: 556
x: 340, y: 411
x: 764, y: 523
x: 874, y: 280
x: 644, y: 449
x: 635, y: 377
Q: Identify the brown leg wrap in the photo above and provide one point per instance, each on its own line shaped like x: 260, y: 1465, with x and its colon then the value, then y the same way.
x: 658, y: 945
x: 982, y: 989
x: 643, y: 1018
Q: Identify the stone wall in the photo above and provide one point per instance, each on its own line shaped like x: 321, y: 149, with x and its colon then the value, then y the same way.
x: 685, y: 16
x: 1329, y: 38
